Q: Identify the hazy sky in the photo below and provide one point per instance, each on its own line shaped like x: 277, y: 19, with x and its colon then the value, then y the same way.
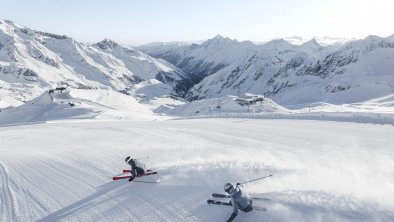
x: 137, y: 22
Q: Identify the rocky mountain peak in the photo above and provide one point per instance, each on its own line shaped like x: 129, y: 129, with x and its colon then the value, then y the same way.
x: 106, y: 44
x: 218, y: 40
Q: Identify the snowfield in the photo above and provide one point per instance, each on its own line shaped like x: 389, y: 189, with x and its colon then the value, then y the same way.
x: 323, y: 171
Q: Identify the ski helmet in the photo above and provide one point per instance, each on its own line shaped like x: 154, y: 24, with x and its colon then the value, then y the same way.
x: 127, y: 159
x: 228, y: 187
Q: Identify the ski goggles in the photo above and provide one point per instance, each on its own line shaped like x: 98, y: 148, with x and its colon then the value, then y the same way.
x: 229, y: 189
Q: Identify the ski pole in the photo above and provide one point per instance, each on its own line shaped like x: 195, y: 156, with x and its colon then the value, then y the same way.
x: 142, y: 158
x: 139, y: 181
x: 255, y: 179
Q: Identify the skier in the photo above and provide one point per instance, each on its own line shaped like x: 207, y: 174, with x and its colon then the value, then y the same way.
x: 137, y: 168
x: 240, y: 200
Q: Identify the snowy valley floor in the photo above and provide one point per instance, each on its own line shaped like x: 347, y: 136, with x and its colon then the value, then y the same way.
x: 323, y: 171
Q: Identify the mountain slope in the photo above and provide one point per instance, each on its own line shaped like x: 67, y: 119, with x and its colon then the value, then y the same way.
x: 308, y: 73
x: 289, y: 74
x: 358, y: 71
x: 201, y: 60
x: 32, y: 62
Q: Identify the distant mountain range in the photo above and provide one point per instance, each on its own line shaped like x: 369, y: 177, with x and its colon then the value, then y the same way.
x: 32, y: 62
x: 289, y: 74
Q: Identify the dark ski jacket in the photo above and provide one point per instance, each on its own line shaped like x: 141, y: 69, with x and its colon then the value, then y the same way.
x: 137, y: 168
x: 240, y: 201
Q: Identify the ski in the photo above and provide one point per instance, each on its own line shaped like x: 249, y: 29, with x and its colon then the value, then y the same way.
x: 220, y: 195
x: 121, y: 177
x: 219, y: 202
x: 127, y: 177
x: 229, y: 204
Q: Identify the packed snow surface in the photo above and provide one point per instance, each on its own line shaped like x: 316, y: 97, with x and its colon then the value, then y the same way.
x: 76, y: 104
x: 323, y: 171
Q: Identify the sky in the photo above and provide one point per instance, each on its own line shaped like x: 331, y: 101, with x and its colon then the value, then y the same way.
x: 139, y: 22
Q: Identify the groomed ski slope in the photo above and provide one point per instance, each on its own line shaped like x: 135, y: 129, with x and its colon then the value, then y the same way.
x: 323, y: 171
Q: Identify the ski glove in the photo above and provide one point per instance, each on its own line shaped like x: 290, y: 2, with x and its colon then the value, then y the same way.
x: 233, y: 215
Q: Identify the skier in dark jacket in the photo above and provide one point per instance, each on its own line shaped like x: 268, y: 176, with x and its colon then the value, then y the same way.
x: 137, y: 168
x: 240, y: 200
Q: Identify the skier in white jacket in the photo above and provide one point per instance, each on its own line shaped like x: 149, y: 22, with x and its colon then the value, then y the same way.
x: 240, y: 200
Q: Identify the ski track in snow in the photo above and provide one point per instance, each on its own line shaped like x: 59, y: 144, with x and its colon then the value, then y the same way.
x: 323, y: 171
x: 7, y: 198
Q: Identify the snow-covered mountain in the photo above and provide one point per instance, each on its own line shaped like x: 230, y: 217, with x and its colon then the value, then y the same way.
x: 322, y: 40
x: 289, y: 74
x: 32, y: 62
x: 201, y: 60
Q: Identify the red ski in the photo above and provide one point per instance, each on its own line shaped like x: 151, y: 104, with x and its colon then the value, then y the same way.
x: 127, y: 177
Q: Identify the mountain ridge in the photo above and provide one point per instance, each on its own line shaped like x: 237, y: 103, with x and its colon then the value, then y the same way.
x: 288, y: 73
x: 32, y: 62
